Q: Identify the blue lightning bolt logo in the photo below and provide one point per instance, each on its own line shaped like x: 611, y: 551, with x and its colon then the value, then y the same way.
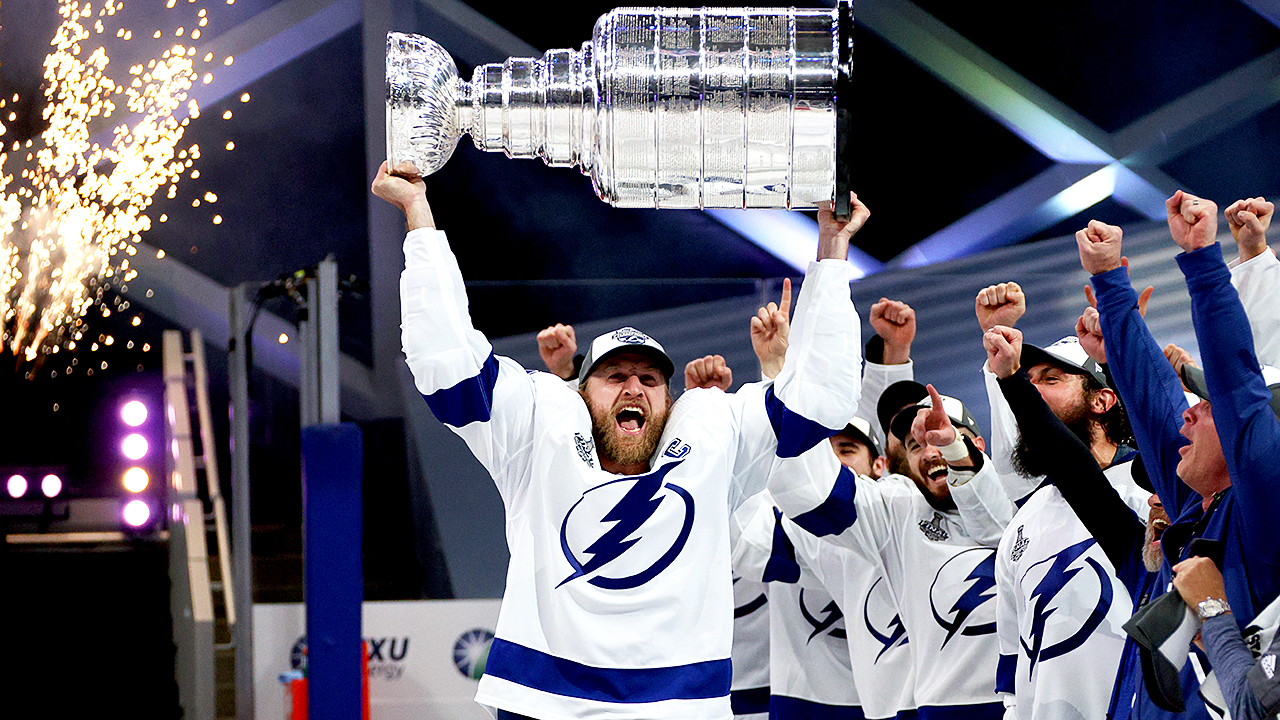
x: 896, y: 630
x: 983, y: 577
x: 1054, y: 581
x: 832, y: 614
x: 628, y: 515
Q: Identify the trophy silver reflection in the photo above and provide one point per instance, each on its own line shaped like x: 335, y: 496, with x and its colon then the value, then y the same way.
x: 662, y: 108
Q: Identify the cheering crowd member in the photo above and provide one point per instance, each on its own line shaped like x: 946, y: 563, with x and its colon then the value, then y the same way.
x: 618, y: 597
x: 1214, y: 470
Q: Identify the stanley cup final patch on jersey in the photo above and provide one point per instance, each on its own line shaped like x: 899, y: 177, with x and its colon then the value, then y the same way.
x: 933, y: 529
x: 1019, y: 546
x: 586, y: 448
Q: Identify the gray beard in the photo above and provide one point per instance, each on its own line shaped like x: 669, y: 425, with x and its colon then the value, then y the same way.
x: 1152, y: 555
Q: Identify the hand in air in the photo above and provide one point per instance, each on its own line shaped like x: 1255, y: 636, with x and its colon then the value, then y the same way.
x: 769, y: 330
x: 1002, y: 304
x: 1004, y: 350
x: 708, y: 372
x: 557, y: 345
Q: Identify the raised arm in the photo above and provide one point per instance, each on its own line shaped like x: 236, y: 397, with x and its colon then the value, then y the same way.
x: 1247, y: 427
x: 816, y: 391
x: 485, y: 399
x: 888, y: 354
x: 1003, y: 304
x: 1256, y: 274
x: 1148, y: 387
x: 557, y: 346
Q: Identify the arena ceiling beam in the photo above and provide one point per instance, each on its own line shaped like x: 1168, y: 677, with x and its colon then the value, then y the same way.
x: 1091, y: 164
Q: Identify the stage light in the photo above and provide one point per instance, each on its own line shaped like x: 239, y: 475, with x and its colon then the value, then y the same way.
x: 51, y: 485
x: 134, y: 447
x: 17, y: 486
x: 136, y: 479
x: 136, y: 513
x: 133, y: 413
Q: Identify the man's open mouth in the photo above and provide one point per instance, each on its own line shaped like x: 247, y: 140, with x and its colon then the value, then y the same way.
x: 630, y: 419
x: 935, y: 471
x: 1158, y: 526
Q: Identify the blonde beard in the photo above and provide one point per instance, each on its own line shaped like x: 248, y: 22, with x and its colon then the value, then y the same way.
x: 621, y: 449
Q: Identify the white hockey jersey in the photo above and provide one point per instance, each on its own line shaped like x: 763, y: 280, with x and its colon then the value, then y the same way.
x: 1060, y: 612
x: 940, y: 569
x: 877, y: 644
x: 619, y: 599
x: 808, y: 654
x: 750, y: 688
x: 1258, y: 282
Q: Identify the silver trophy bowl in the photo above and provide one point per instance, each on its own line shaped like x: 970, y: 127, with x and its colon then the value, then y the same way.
x: 662, y: 108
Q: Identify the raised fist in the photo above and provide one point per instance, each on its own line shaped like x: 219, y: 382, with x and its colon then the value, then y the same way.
x: 1002, y: 304
x: 557, y: 346
x: 708, y: 372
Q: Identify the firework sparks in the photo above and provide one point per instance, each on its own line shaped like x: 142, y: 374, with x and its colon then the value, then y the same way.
x: 75, y: 211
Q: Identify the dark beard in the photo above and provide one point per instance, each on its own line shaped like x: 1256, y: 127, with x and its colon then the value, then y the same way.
x: 1029, y: 464
x: 617, y: 448
x: 898, y: 464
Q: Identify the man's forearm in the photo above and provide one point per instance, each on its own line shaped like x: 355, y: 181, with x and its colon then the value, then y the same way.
x: 1149, y: 388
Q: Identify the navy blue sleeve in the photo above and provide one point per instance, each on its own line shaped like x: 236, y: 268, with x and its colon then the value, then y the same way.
x: 1241, y: 403
x: 1148, y: 386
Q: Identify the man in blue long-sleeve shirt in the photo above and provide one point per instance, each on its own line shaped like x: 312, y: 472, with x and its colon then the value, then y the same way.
x: 1215, y: 470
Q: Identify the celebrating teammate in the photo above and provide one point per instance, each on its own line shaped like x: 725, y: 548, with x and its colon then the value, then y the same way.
x: 618, y: 598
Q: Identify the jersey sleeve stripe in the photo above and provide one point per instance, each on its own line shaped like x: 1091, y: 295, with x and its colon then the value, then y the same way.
x: 783, y: 707
x: 837, y: 513
x: 782, y: 565
x: 795, y: 432
x: 471, y: 400
x: 750, y: 701
x: 548, y: 673
x: 1006, y: 669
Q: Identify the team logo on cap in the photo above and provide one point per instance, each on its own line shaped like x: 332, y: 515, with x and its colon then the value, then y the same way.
x: 625, y: 532
x: 630, y: 336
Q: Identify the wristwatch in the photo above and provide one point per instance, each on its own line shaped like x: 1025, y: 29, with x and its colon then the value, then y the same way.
x: 1212, y: 607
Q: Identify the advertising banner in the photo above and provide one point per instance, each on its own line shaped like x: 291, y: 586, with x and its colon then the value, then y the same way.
x: 425, y: 657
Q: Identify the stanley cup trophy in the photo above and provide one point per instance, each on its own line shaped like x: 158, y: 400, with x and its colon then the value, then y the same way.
x: 662, y: 108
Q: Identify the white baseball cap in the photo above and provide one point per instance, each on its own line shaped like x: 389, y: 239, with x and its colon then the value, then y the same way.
x: 626, y: 339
